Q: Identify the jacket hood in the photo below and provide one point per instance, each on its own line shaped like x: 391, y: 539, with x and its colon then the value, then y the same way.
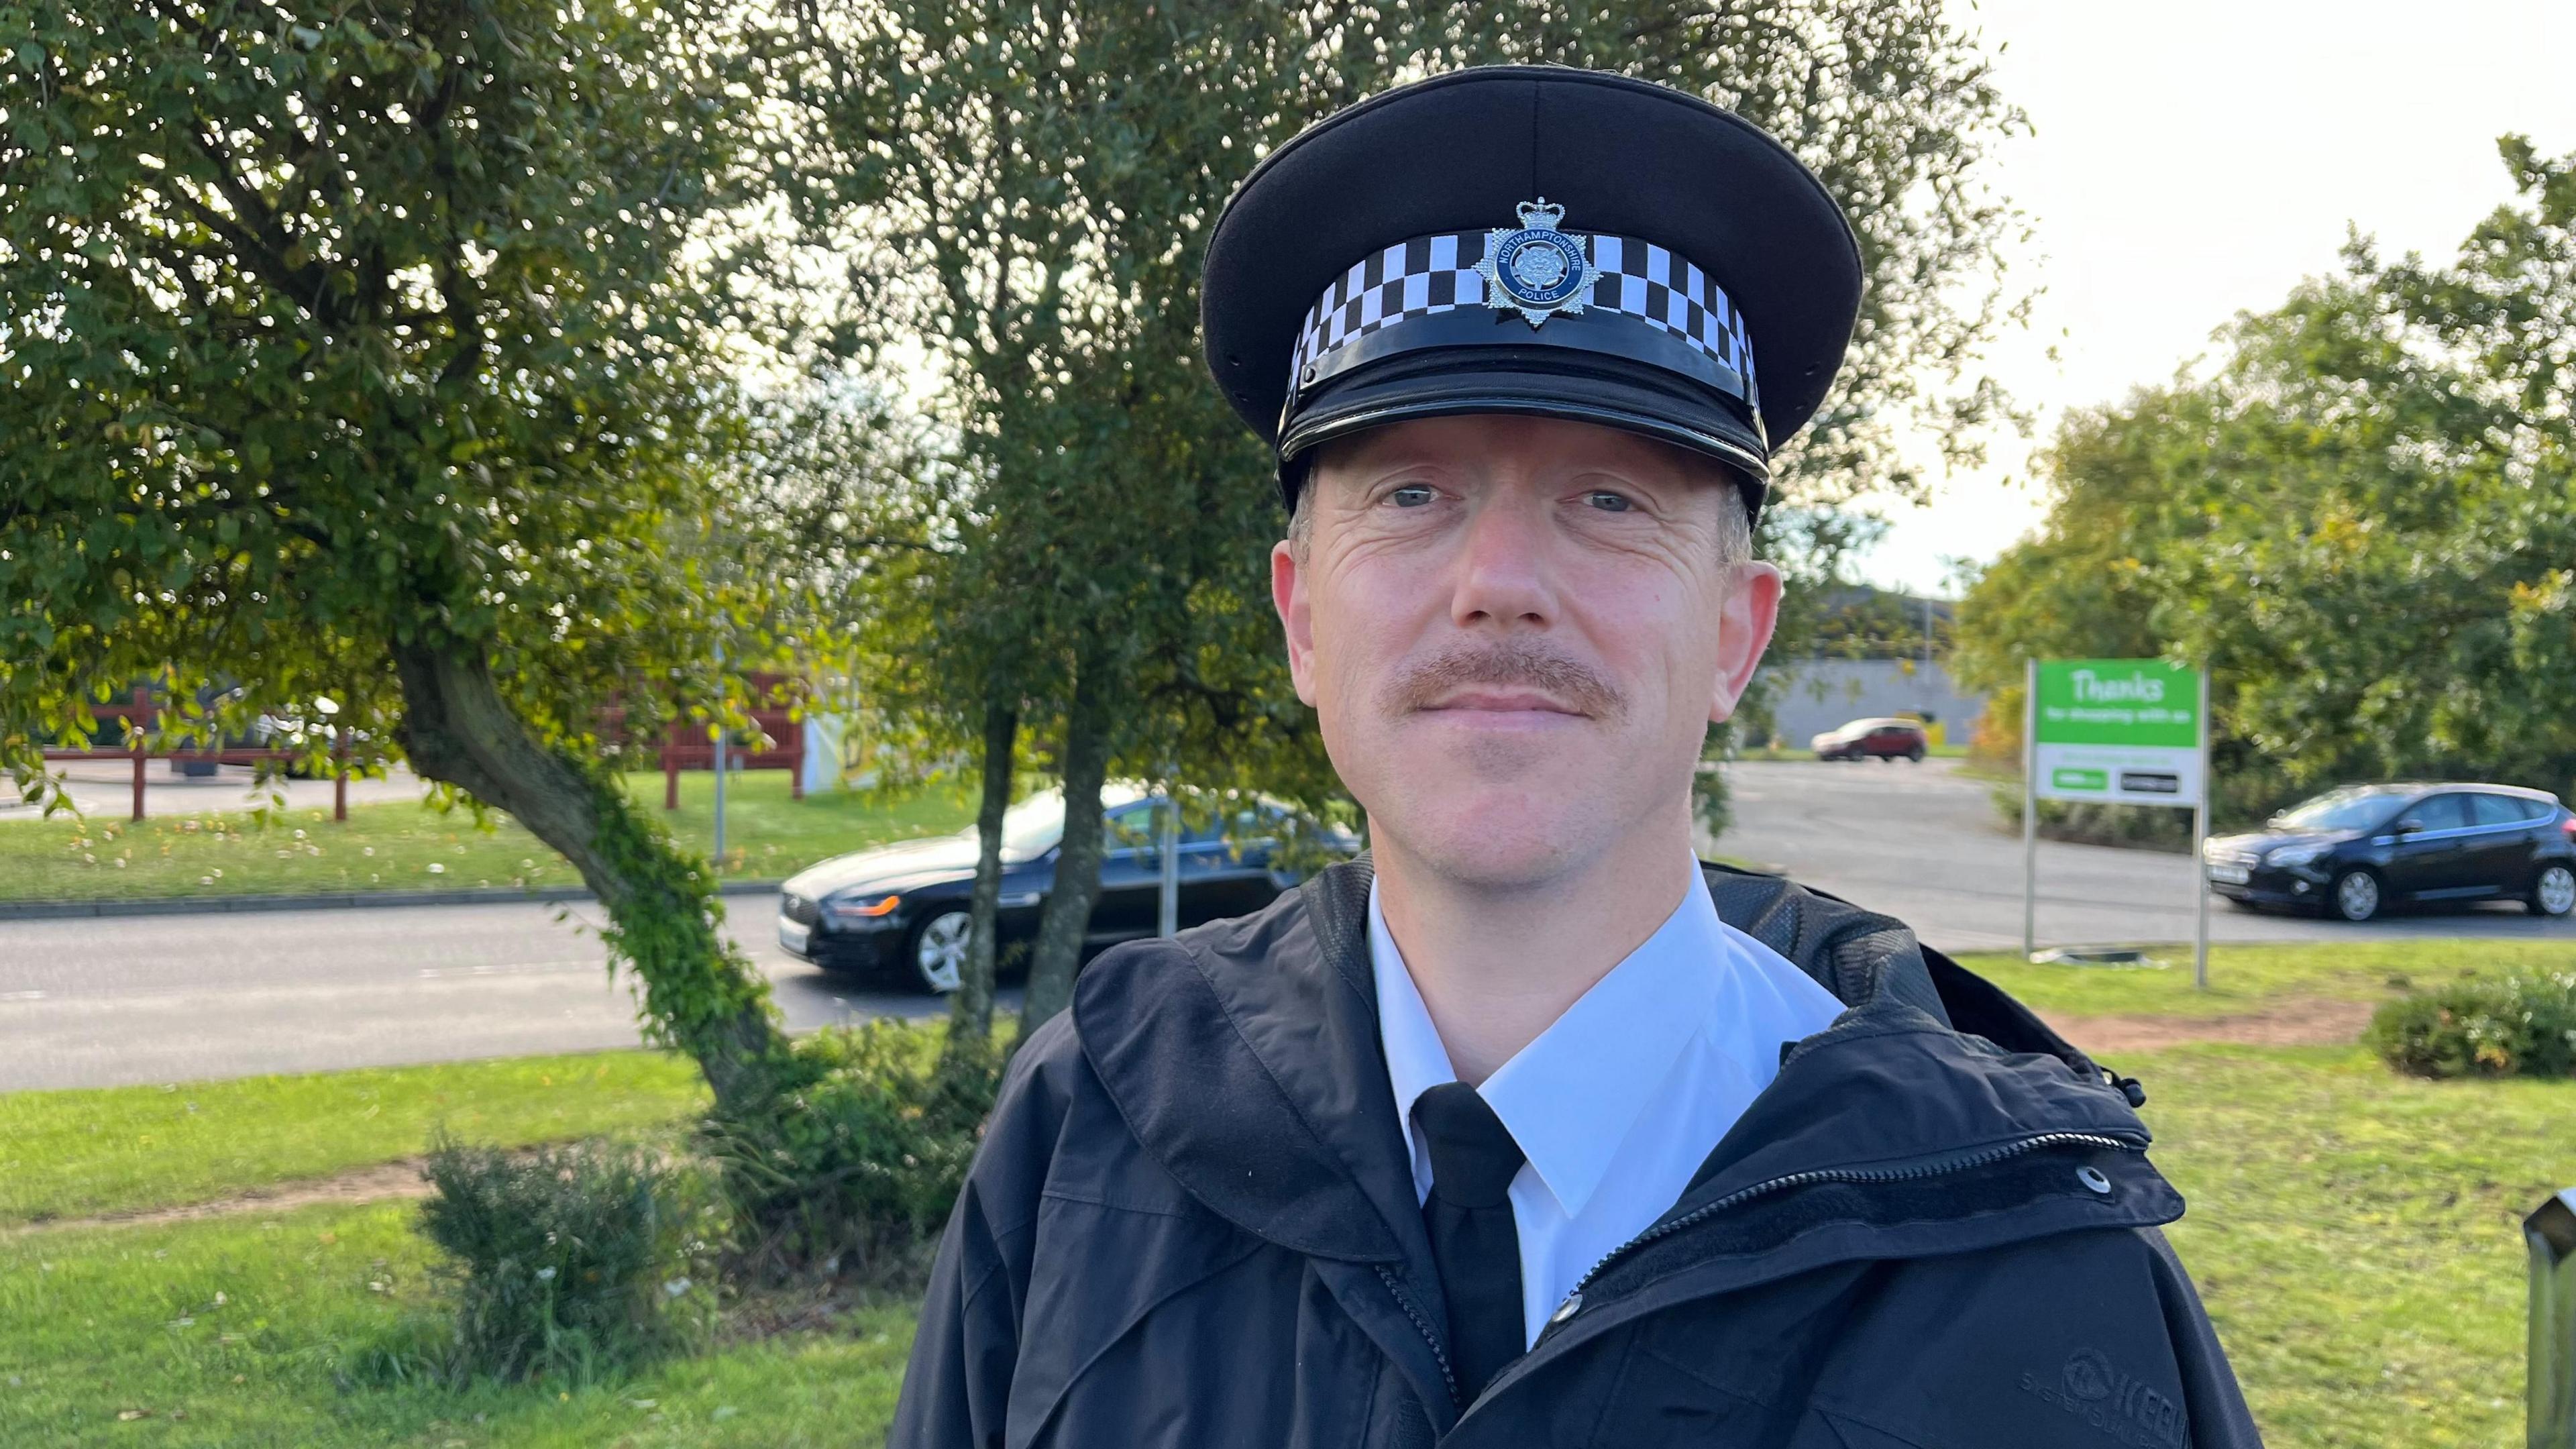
x: 1244, y: 1055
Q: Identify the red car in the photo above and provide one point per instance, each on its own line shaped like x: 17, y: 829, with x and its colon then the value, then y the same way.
x: 1882, y: 739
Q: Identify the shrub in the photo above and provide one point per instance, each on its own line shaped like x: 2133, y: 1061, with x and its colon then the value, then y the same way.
x: 568, y: 1262
x: 862, y: 1157
x: 2094, y: 822
x: 2523, y: 1024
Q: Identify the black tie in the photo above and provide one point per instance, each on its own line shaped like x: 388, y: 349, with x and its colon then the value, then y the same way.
x: 1474, y: 1242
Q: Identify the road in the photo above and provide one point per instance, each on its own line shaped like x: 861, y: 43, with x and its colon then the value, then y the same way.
x: 1922, y: 843
x: 97, y: 1002
x: 105, y: 1002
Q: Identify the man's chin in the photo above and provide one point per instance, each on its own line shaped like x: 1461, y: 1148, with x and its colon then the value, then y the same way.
x: 1489, y: 837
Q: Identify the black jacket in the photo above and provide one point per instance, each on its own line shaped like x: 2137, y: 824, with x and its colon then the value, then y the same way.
x: 1192, y: 1224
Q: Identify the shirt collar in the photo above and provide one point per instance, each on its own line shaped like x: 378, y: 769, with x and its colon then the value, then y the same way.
x: 1571, y: 1096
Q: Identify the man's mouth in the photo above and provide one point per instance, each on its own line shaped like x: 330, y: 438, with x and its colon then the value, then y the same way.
x: 1503, y: 701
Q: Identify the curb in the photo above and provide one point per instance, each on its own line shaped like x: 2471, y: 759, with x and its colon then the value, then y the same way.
x: 330, y: 901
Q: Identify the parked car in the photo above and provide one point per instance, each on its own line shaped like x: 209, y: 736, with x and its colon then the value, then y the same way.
x: 2354, y: 852
x: 1882, y: 739
x: 898, y: 915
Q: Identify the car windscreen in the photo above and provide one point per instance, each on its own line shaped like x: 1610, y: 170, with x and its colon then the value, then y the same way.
x: 1031, y: 827
x: 2342, y: 810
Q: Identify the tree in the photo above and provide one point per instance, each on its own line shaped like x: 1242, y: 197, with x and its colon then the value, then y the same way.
x: 2362, y: 520
x: 1033, y: 184
x: 373, y: 354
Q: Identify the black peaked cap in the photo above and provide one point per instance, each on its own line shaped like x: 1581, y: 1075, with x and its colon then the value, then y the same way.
x: 1461, y: 152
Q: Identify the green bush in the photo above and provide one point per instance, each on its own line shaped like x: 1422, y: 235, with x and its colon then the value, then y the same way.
x: 2094, y: 822
x: 859, y: 1163
x: 569, y: 1262
x: 2523, y: 1024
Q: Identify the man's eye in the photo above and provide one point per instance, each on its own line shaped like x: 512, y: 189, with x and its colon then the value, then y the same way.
x: 1609, y: 502
x: 1412, y: 495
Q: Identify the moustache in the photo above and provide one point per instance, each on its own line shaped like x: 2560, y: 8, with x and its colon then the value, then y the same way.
x: 1521, y: 664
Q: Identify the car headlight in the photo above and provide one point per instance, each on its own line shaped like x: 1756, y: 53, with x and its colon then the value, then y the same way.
x: 851, y: 908
x: 2286, y: 855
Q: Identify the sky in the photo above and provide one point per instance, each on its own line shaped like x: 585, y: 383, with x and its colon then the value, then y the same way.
x: 2194, y: 158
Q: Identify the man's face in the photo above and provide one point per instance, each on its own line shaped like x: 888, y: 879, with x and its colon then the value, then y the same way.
x: 1515, y: 632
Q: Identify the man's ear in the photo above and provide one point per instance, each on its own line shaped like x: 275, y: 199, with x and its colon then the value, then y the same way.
x: 1296, y: 616
x: 1744, y: 630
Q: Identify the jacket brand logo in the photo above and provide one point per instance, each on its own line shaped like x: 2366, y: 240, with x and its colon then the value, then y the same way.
x: 2090, y: 1389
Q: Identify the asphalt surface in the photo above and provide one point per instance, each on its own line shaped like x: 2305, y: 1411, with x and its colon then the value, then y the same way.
x: 105, y: 1002
x: 1922, y: 843
x: 151, y: 999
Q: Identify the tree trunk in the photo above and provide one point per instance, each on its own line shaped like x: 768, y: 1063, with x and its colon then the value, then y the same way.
x: 970, y: 1010
x: 700, y: 995
x: 1077, y: 862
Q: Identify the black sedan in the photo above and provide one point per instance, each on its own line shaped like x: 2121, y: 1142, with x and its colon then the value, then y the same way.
x: 2354, y: 851
x: 898, y: 915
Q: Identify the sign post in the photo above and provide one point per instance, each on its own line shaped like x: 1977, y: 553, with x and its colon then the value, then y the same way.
x: 2200, y: 849
x: 2121, y: 731
x: 2029, y: 809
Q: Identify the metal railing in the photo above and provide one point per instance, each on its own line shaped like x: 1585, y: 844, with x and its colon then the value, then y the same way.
x: 143, y: 713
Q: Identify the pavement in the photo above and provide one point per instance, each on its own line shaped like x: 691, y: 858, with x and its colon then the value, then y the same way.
x: 104, y: 789
x: 1923, y: 843
x: 168, y: 998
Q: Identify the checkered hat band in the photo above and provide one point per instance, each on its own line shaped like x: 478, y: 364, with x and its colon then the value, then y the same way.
x: 1436, y: 274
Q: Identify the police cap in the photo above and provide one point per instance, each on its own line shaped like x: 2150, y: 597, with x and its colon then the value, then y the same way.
x: 1531, y: 239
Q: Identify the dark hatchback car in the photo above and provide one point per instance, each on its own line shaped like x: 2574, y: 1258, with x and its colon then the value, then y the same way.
x: 898, y: 915
x: 1874, y: 739
x: 2355, y: 851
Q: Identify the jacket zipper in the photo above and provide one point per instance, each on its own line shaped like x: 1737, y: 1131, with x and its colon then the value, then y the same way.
x: 1981, y: 1158
x: 1422, y: 1325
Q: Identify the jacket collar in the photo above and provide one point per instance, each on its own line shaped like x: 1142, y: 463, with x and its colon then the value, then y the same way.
x: 1245, y: 1057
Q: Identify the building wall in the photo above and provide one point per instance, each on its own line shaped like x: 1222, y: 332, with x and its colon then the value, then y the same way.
x: 1817, y: 695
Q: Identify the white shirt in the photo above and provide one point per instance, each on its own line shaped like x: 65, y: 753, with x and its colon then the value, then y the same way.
x: 1619, y: 1101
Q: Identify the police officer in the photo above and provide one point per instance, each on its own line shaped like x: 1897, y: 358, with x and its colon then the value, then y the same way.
x: 1529, y: 1129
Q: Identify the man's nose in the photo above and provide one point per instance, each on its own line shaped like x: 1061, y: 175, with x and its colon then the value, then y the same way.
x: 1502, y: 572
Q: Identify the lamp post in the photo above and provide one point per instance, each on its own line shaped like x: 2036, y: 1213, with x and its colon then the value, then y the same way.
x: 720, y: 759
x: 1168, y: 844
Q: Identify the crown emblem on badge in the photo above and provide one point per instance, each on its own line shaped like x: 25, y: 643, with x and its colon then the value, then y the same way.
x: 1537, y: 270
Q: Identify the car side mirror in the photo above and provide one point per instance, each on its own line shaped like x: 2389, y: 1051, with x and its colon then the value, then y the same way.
x: 2408, y: 826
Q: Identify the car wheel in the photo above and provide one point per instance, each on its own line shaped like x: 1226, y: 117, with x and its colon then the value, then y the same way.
x: 2554, y: 894
x: 2355, y: 896
x: 1914, y: 756
x: 938, y: 951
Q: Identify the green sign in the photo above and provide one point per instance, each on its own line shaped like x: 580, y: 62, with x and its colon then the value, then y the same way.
x: 2080, y: 779
x: 2135, y: 702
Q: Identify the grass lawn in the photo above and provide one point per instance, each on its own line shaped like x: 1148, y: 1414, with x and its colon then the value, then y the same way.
x: 2355, y: 1236
x: 2248, y: 978
x: 403, y: 846
x: 2353, y: 1233
x: 120, y: 1149
x: 254, y: 1330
